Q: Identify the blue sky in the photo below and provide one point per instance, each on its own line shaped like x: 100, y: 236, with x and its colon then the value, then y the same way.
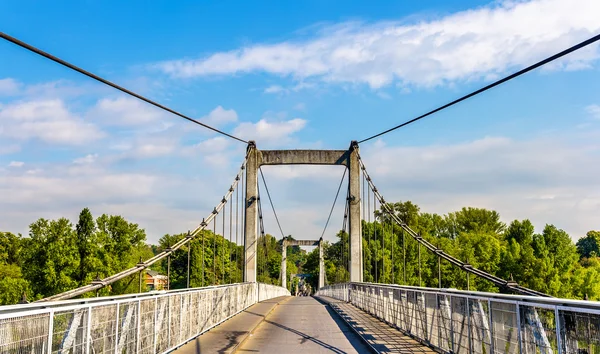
x: 310, y: 74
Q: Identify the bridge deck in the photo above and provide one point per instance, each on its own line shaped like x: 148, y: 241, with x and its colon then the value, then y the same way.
x: 226, y: 337
x: 303, y: 325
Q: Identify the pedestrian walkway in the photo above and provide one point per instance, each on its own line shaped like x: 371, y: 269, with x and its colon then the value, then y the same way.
x: 226, y: 337
x: 303, y: 325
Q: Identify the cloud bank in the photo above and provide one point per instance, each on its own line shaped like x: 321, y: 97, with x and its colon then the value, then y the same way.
x: 468, y: 45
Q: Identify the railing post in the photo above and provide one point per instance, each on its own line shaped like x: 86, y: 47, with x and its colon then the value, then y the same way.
x: 558, y: 330
x: 180, y: 316
x: 116, y: 341
x: 88, y: 330
x: 139, y: 326
x: 519, y: 327
x: 492, y: 344
x: 439, y: 319
x: 469, y: 333
x: 50, y: 330
x: 155, y: 337
x: 168, y: 318
x: 451, y: 326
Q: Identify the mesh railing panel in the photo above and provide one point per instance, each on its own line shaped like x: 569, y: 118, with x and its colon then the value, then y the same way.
x: 462, y: 322
x: 152, y: 323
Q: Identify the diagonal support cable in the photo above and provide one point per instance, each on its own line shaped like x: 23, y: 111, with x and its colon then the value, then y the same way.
x: 334, y: 202
x: 271, y: 202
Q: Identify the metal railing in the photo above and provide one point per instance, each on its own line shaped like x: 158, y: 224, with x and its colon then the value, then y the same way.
x: 139, y: 323
x: 456, y: 321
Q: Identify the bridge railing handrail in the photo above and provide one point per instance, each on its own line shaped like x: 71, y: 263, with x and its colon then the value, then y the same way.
x: 154, y: 323
x: 23, y: 308
x: 456, y: 321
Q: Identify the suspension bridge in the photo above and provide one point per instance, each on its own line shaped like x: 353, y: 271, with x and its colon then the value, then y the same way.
x: 345, y: 315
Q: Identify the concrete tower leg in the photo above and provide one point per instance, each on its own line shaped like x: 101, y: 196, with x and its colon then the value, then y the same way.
x: 355, y: 266
x: 251, y: 206
x: 284, y: 264
x: 321, y: 265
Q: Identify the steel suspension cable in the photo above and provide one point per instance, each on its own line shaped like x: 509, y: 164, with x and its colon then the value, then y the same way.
x: 111, y: 84
x: 243, y: 229
x: 334, y: 202
x: 369, y: 223
x: 262, y: 230
x: 271, y: 202
x: 237, y: 227
x: 492, y: 85
x: 362, y: 234
x: 345, y: 240
x: 375, y: 231
x: 188, y: 261
x: 230, y: 239
x: 215, y: 250
x: 203, y: 249
x: 223, y: 245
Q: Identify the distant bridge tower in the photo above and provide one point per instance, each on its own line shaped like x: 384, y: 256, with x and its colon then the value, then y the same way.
x: 283, y: 270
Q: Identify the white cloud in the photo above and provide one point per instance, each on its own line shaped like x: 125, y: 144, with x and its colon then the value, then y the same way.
x: 266, y: 131
x: 548, y: 180
x: 594, y: 111
x: 87, y: 159
x: 468, y: 45
x: 125, y: 111
x: 9, y: 87
x: 47, y: 120
x: 300, y: 106
x: 16, y: 164
x: 156, y: 148
x: 9, y: 149
x: 220, y: 116
x: 275, y: 89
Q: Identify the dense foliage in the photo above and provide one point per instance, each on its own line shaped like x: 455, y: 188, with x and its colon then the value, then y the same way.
x: 548, y: 261
x: 57, y: 256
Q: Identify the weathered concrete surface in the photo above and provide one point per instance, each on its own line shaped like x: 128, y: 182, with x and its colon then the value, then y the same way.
x: 304, y: 157
x: 251, y: 215
x: 226, y: 337
x: 355, y: 266
x: 381, y: 337
x: 303, y: 325
x: 257, y: 158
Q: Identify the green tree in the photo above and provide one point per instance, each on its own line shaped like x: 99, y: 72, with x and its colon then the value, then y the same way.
x: 51, y: 259
x: 589, y: 246
x: 86, y: 246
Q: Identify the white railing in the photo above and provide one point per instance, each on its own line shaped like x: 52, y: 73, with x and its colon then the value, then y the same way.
x: 474, y: 322
x: 140, y: 323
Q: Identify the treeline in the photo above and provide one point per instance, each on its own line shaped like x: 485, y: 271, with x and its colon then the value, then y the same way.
x: 58, y: 256
x: 547, y: 261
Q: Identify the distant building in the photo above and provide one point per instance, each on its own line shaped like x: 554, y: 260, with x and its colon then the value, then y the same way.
x: 155, y: 281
